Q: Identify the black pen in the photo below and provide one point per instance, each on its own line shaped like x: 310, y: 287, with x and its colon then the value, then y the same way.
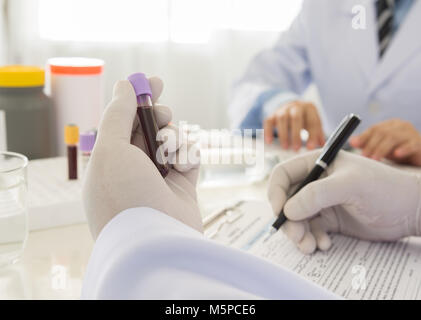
x: 328, y: 154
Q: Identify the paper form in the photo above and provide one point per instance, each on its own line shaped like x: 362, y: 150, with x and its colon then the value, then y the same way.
x: 248, y: 221
x: 351, y: 268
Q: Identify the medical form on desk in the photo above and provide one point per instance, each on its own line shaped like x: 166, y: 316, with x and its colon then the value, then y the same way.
x: 351, y: 268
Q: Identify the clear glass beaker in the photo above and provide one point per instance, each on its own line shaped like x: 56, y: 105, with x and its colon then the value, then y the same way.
x: 13, y: 206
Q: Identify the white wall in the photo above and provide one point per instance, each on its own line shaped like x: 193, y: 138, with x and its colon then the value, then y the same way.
x: 3, y: 42
x: 197, y: 77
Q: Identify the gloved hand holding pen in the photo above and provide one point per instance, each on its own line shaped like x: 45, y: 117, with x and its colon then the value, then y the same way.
x: 120, y: 174
x: 358, y: 197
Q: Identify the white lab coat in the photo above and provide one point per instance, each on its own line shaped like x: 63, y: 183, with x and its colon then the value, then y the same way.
x: 323, y: 47
x: 145, y: 254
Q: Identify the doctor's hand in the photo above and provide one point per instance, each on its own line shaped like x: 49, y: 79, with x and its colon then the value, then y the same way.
x: 289, y: 119
x: 357, y: 197
x: 120, y: 174
x: 395, y: 140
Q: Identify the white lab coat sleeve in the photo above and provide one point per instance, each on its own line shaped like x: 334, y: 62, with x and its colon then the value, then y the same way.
x: 282, y: 68
x: 145, y: 254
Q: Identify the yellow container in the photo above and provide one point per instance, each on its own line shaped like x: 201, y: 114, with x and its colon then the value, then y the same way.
x: 17, y: 76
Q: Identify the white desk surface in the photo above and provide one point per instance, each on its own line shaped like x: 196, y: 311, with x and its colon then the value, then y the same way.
x: 52, y: 265
x: 54, y: 260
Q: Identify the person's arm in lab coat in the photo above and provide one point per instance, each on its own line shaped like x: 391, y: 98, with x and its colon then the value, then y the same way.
x: 268, y: 95
x: 145, y: 254
x: 275, y: 76
x: 148, y: 229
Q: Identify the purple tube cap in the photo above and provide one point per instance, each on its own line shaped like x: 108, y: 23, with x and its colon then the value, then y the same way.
x: 87, y: 141
x: 140, y: 84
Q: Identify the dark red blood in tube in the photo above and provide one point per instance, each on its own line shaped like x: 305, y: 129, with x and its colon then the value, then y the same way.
x: 72, y: 161
x: 150, y: 131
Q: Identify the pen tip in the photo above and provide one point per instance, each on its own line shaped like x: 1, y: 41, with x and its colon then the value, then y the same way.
x: 272, y: 231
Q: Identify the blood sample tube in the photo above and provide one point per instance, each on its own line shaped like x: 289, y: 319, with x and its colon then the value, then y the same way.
x: 71, y: 138
x: 86, y: 145
x: 147, y: 119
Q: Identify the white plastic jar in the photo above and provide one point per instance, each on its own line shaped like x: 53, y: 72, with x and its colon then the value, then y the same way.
x: 76, y: 87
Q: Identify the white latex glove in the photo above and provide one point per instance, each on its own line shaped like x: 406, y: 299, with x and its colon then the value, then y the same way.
x: 356, y: 196
x: 120, y: 174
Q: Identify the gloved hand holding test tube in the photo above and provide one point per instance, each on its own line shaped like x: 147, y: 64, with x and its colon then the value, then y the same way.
x: 121, y: 174
x: 149, y: 126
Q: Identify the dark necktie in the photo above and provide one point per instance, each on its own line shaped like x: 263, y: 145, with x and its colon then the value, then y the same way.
x: 385, y: 11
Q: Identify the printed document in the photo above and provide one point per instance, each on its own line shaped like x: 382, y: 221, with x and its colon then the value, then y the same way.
x: 352, y: 268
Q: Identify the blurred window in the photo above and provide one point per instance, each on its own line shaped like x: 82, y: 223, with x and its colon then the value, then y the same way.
x: 185, y: 21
